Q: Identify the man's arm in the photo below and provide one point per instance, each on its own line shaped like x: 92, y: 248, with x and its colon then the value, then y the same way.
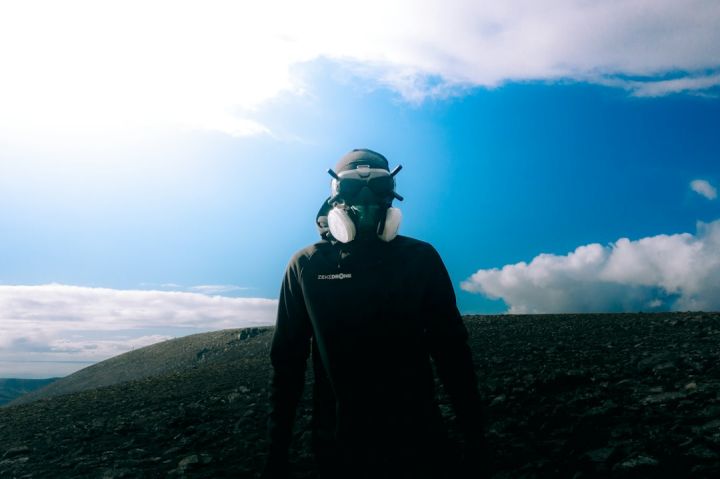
x: 288, y: 354
x: 447, y: 337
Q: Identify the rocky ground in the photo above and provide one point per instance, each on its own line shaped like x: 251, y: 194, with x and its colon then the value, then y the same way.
x: 576, y: 396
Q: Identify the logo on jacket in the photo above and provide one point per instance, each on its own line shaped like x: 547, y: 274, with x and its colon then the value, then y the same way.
x: 335, y: 276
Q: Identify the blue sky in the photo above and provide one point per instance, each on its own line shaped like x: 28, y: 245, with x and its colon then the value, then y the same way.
x: 148, y: 198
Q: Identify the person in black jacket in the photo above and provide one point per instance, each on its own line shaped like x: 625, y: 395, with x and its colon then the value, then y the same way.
x: 372, y: 307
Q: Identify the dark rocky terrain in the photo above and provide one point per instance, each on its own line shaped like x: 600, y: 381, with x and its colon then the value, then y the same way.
x: 576, y: 396
x: 12, y: 388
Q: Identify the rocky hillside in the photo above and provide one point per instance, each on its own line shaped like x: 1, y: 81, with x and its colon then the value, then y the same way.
x: 574, y: 396
x: 11, y: 388
x: 167, y: 357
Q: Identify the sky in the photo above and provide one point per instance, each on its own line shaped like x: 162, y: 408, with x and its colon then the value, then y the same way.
x: 160, y: 162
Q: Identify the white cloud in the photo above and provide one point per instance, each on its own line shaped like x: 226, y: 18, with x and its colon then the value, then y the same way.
x: 209, y: 65
x: 51, y: 325
x: 698, y: 83
x: 211, y: 289
x: 704, y: 188
x: 217, y: 288
x: 664, y: 272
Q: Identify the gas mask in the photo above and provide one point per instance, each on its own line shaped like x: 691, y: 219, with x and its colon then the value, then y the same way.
x: 361, y: 200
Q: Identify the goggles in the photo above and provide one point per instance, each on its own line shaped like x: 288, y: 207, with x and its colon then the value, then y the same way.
x: 349, y: 183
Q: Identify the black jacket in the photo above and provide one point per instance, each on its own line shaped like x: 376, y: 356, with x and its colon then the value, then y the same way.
x: 373, y: 315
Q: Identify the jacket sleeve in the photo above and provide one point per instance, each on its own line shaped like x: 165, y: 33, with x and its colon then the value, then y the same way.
x: 288, y: 355
x: 447, y: 338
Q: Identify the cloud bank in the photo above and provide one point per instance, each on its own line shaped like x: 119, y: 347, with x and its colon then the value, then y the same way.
x: 657, y: 273
x: 53, y: 329
x: 210, y: 65
x: 704, y: 188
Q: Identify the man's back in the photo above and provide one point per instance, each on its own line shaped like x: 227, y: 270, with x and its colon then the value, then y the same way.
x: 374, y: 314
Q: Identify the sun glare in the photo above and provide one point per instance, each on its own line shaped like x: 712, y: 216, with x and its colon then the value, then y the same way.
x: 91, y: 67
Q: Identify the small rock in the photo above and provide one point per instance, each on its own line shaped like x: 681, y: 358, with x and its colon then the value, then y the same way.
x: 202, y: 354
x: 625, y: 383
x: 715, y: 439
x: 665, y: 368
x: 600, y: 455
x: 194, y: 460
x: 636, y: 463
x: 173, y: 450
x: 15, y: 451
x: 606, y: 408
x: 118, y: 473
x: 14, y: 462
x: 98, y: 423
x: 662, y: 397
x: 655, y: 360
x: 136, y: 453
x: 702, y: 452
x: 708, y: 428
x: 248, y: 333
x: 188, y: 462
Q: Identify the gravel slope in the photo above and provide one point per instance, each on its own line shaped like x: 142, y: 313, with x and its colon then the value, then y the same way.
x: 621, y: 395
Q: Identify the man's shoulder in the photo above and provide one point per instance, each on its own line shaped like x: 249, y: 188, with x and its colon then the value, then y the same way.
x: 408, y: 241
x: 412, y: 244
x: 308, y: 252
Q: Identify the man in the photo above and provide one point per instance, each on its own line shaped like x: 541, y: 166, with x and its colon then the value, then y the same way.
x: 373, y: 308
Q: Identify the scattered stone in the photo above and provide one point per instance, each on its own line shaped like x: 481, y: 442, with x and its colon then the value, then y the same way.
x: 233, y: 397
x: 626, y: 383
x: 663, y: 397
x: 14, y: 462
x: 137, y: 453
x: 16, y: 451
x: 708, y: 428
x: 714, y: 439
x: 188, y: 462
x: 655, y: 360
x: 600, y: 455
x: 172, y: 451
x: 701, y: 452
x: 249, y: 333
x: 119, y: 474
x: 635, y: 463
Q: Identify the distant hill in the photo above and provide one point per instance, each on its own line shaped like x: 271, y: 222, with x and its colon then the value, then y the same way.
x: 582, y: 396
x: 11, y: 388
x: 167, y: 357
